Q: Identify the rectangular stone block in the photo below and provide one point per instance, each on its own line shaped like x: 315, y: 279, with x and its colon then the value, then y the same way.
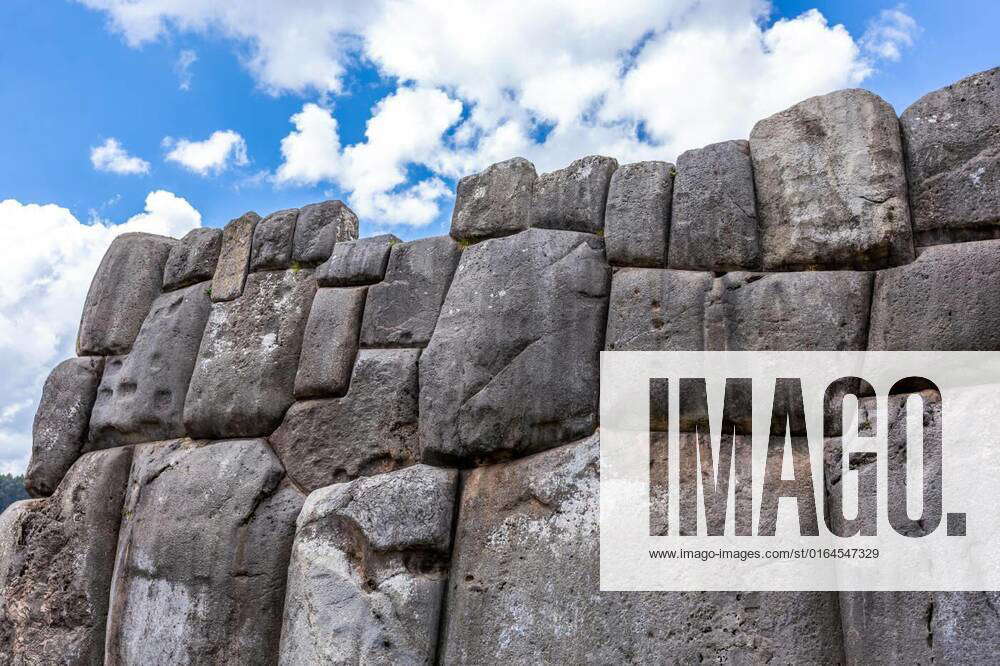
x: 573, y: 198
x: 495, y: 202
x: 193, y: 259
x: 319, y: 227
x: 359, y: 262
x: 330, y: 343
x: 637, y: 216
x: 234, y: 257
x: 272, y: 241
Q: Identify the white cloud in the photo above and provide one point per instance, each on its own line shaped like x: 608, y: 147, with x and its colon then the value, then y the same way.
x: 889, y: 33
x: 185, y: 59
x: 212, y: 155
x: 110, y: 156
x: 45, y: 271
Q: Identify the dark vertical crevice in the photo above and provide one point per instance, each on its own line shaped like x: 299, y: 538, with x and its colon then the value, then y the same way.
x: 442, y: 628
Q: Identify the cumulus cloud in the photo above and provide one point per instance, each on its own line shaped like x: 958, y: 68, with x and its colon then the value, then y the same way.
x: 110, y: 156
x: 45, y: 271
x: 185, y: 60
x: 212, y: 155
x: 889, y: 33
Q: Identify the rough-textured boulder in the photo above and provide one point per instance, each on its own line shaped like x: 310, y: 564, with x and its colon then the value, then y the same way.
x: 55, y: 596
x: 330, y: 342
x: 202, y: 556
x: 513, y: 364
x: 193, y: 259
x: 368, y: 570
x: 831, y: 190
x: 573, y: 198
x: 495, y: 202
x: 401, y: 310
x: 653, y: 309
x: 946, y: 300
x: 713, y: 223
x: 637, y: 217
x: 272, y: 241
x: 953, y: 160
x: 244, y: 378
x: 141, y: 397
x: 318, y: 228
x: 61, y: 422
x: 372, y: 429
x: 356, y: 262
x: 525, y: 567
x: 234, y: 257
x: 125, y: 285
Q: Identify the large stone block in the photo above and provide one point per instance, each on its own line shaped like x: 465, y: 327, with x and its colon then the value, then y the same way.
x: 234, y: 257
x: 495, y: 202
x: 402, y: 310
x: 653, y: 309
x: 356, y: 262
x: 573, y: 198
x: 202, y: 555
x: 193, y: 259
x: 244, y: 378
x: 831, y: 190
x: 372, y: 429
x: 952, y: 142
x: 58, y: 573
x: 141, y: 397
x: 272, y: 241
x: 713, y: 222
x: 513, y: 364
x: 330, y: 343
x: 61, y: 422
x: 368, y: 570
x: 637, y: 218
x: 125, y: 285
x: 319, y: 227
x: 523, y: 523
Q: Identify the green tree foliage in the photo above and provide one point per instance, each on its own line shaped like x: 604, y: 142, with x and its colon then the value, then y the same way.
x: 11, y: 490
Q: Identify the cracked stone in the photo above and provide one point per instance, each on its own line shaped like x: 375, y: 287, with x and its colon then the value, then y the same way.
x: 573, y: 198
x: 495, y: 202
x: 234, y: 257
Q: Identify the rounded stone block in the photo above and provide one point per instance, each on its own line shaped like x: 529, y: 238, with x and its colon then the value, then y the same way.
x: 637, y: 215
x: 319, y: 227
x: 330, y: 343
x: 573, y: 198
x: 494, y: 202
x: 272, y: 241
x: 193, y: 259
x: 359, y: 262
x: 234, y: 257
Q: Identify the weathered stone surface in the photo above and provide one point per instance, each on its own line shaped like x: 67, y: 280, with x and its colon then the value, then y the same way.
x: 831, y: 191
x: 244, y: 378
x: 573, y: 198
x: 653, y: 309
x: 713, y: 222
x: 523, y: 524
x: 319, y: 227
x: 513, y: 364
x: 272, y: 241
x: 372, y: 429
x: 193, y: 259
x: 946, y: 300
x: 402, y: 310
x: 494, y: 202
x: 950, y: 137
x: 202, y: 556
x: 11, y: 521
x: 61, y: 422
x: 637, y: 218
x: 55, y: 597
x: 330, y: 343
x: 141, y: 397
x: 234, y: 257
x: 368, y: 570
x: 125, y: 285
x: 356, y: 262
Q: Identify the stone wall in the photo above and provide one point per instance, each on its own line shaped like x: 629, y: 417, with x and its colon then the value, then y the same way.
x: 283, y: 444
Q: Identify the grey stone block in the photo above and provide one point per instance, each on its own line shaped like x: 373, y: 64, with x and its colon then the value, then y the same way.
x: 494, y: 202
x: 357, y: 262
x: 234, y: 257
x: 61, y: 422
x: 272, y: 241
x: 713, y: 223
x: 573, y: 198
x: 244, y: 378
x: 654, y: 309
x: 193, y: 259
x: 950, y: 137
x: 125, y: 285
x: 371, y: 430
x: 402, y: 310
x: 319, y: 227
x: 141, y: 397
x: 831, y: 189
x: 513, y: 364
x: 330, y: 343
x: 384, y: 609
x: 637, y: 218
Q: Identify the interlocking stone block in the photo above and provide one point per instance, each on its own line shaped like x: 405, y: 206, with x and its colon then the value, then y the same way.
x: 952, y: 142
x: 369, y: 569
x: 831, y: 190
x: 513, y: 364
x: 573, y: 198
x: 330, y: 343
x: 357, y: 262
x: 234, y: 257
x: 193, y: 259
x: 272, y: 241
x: 637, y: 218
x: 319, y: 227
x: 495, y: 202
x: 125, y: 285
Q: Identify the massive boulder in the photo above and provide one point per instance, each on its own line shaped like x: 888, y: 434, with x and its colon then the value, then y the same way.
x: 319, y: 227
x: 495, y: 202
x: 357, y: 262
x: 637, y: 215
x: 573, y: 198
x: 330, y: 343
x: 369, y: 569
x: 234, y: 257
x: 653, y: 309
x: 272, y: 241
x: 193, y: 259
x: 831, y: 190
